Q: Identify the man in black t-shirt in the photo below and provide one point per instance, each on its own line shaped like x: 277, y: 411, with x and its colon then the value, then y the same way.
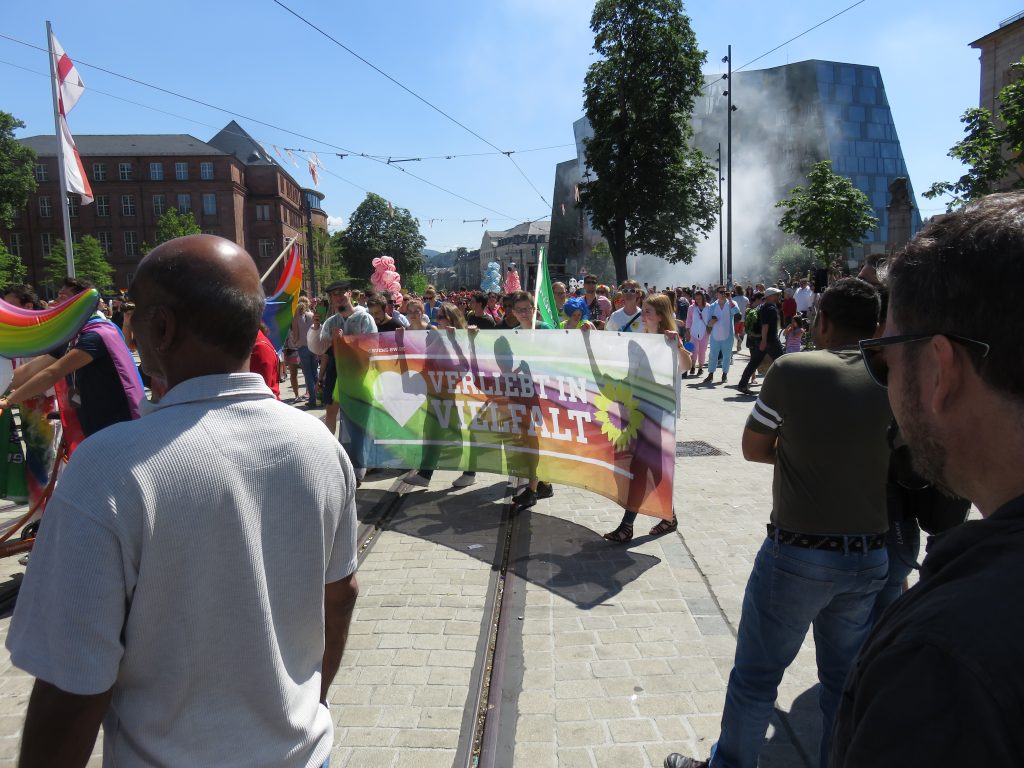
x: 768, y: 315
x: 479, y: 316
x: 377, y: 306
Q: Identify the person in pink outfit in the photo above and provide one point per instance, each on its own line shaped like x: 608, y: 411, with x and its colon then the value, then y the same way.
x: 697, y: 318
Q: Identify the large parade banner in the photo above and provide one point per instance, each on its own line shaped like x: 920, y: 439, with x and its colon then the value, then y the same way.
x: 592, y: 410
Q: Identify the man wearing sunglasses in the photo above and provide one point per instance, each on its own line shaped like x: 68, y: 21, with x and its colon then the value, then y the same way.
x: 940, y: 681
x: 821, y: 422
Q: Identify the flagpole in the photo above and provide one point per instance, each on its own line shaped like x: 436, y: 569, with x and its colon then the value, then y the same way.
x: 59, y: 135
x: 287, y: 246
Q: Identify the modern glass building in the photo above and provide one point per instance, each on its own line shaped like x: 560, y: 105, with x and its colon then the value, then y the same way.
x: 787, y: 119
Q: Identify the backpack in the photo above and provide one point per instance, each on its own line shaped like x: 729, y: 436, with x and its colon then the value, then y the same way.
x: 752, y: 320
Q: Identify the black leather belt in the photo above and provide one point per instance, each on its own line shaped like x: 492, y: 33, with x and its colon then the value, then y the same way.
x: 864, y: 542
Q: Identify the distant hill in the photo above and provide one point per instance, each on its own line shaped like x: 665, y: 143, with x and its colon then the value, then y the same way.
x: 428, y: 252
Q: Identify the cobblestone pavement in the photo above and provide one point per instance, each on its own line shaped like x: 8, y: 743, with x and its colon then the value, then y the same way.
x: 620, y: 654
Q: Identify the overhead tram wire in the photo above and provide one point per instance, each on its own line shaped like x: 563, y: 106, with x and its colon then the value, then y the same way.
x: 411, y: 92
x: 783, y: 45
x: 259, y: 122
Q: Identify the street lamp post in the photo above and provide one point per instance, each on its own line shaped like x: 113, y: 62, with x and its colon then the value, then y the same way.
x: 728, y: 173
x: 721, y: 252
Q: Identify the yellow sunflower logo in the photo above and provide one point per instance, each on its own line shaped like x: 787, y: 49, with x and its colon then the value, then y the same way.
x: 618, y: 413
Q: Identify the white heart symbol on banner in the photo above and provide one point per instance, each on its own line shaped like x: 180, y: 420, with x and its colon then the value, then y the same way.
x: 400, y: 394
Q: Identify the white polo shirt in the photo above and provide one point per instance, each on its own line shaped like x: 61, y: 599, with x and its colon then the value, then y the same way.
x: 182, y: 562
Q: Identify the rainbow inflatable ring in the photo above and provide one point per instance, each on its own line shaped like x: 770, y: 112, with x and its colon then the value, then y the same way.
x: 30, y: 332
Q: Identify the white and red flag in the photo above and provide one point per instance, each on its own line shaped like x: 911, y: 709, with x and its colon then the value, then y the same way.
x: 69, y: 89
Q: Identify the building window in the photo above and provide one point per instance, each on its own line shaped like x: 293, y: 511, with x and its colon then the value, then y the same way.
x: 209, y: 204
x: 106, y: 242
x: 41, y: 174
x: 99, y: 172
x: 181, y: 171
x: 16, y: 244
x: 73, y: 205
x: 47, y: 241
x: 131, y: 243
x: 184, y: 203
x: 206, y: 171
x: 262, y: 213
x: 124, y: 171
x: 127, y: 205
x: 103, y: 205
x: 159, y: 205
x: 156, y: 171
x: 45, y: 206
x: 266, y: 249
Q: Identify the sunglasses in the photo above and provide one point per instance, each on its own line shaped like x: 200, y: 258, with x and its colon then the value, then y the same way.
x: 590, y: 282
x: 630, y: 290
x: 872, y: 350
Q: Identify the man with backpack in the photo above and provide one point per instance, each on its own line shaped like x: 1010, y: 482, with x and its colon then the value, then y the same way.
x: 767, y: 338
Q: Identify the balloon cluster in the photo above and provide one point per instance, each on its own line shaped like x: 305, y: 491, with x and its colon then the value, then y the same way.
x: 512, y: 280
x: 385, y: 278
x: 492, y: 278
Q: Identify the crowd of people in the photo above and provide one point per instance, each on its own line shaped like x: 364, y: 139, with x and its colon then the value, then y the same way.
x: 919, y: 399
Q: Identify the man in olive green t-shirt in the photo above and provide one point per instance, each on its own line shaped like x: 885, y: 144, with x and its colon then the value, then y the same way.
x: 821, y: 422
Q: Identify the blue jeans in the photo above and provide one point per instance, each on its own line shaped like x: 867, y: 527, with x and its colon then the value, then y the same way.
x: 791, y: 589
x: 307, y: 361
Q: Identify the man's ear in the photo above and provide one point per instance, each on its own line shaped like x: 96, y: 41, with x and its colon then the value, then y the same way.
x: 947, y: 375
x: 163, y: 328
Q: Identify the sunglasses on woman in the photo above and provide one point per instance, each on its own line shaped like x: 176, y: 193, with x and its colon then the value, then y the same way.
x: 872, y: 350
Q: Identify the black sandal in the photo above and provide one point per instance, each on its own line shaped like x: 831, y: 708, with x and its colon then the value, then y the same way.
x: 621, y: 535
x: 665, y: 526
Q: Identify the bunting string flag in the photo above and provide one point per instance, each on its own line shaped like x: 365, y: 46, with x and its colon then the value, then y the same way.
x: 280, y: 308
x: 69, y: 89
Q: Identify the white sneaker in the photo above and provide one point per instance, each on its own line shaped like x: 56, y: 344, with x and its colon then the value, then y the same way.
x: 415, y: 478
x: 464, y: 480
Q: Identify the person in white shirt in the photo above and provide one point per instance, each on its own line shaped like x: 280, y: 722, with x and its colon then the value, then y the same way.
x: 721, y: 329
x: 804, y: 297
x: 193, y: 580
x: 628, y: 318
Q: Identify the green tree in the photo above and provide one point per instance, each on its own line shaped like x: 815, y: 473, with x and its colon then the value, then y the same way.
x: 375, y: 229
x: 172, y: 224
x: 991, y: 149
x: 17, y: 174
x: 793, y: 261
x: 600, y: 263
x: 12, y: 269
x: 828, y: 215
x: 653, y: 193
x: 415, y: 283
x: 330, y: 251
x: 90, y: 264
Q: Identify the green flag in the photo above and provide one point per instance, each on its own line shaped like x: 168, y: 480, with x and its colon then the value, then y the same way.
x: 550, y: 312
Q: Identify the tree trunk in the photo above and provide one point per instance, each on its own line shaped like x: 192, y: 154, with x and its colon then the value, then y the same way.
x: 616, y: 237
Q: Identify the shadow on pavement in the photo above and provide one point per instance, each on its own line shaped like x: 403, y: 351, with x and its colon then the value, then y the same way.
x: 797, y: 737
x: 567, y: 559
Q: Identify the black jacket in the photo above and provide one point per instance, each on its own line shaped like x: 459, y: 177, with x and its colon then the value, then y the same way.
x: 940, y: 681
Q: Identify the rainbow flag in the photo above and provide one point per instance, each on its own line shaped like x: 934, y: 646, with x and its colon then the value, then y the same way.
x: 30, y: 332
x: 593, y: 410
x: 280, y: 309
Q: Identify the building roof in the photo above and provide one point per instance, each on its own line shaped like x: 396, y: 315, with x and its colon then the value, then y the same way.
x: 91, y: 145
x: 526, y: 228
x: 1012, y: 22
x: 233, y: 139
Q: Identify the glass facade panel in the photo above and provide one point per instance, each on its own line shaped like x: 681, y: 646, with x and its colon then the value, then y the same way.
x: 867, y: 95
x: 844, y: 94
x: 847, y: 75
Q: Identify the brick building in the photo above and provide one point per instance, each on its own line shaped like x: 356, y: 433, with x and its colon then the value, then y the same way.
x: 231, y: 186
x: 999, y: 49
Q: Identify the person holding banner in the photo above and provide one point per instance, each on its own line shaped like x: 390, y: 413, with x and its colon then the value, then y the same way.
x: 658, y: 317
x: 577, y: 315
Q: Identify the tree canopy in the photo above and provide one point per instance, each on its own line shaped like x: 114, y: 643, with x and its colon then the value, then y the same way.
x: 12, y: 269
x: 90, y: 263
x: 991, y: 148
x: 172, y: 224
x: 653, y: 193
x: 828, y: 215
x: 793, y: 261
x: 17, y: 170
x: 376, y: 229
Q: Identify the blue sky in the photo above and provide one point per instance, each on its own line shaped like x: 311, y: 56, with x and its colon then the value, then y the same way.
x: 510, y: 70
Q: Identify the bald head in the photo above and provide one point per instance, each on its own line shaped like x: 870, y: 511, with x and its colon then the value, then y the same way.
x: 212, y: 288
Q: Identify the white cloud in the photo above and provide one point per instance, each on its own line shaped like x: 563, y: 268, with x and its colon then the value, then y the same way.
x: 334, y: 223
